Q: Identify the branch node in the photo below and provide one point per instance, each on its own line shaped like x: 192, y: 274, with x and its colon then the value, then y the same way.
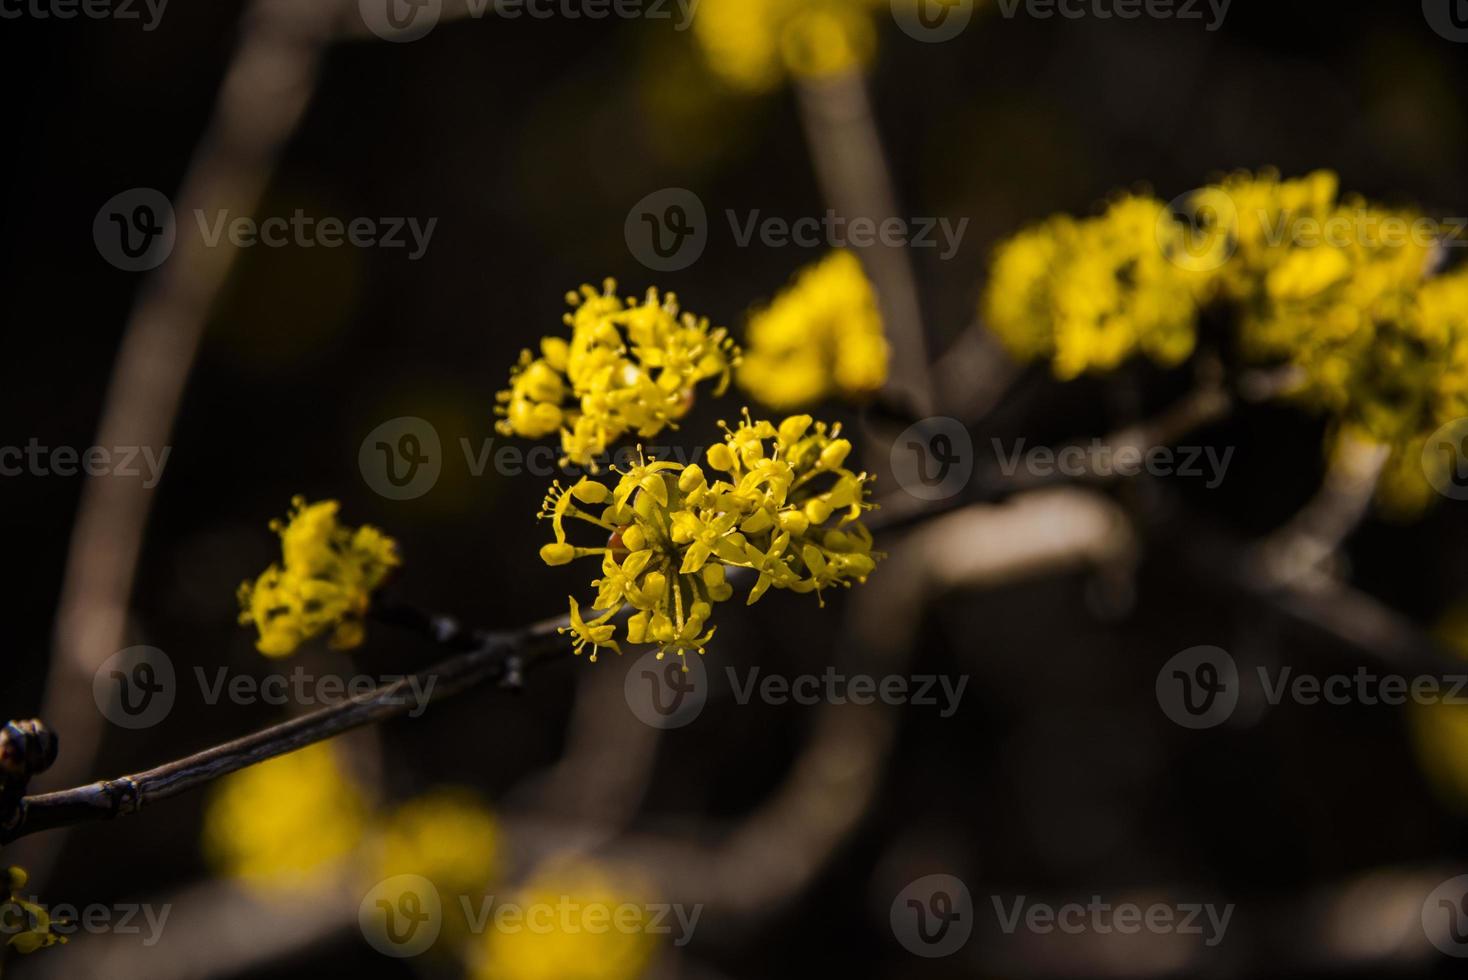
x: 514, y: 675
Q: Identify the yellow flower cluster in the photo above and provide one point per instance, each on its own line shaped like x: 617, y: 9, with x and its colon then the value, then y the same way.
x: 754, y: 45
x: 27, y: 925
x: 287, y: 823
x: 820, y: 337
x: 1089, y: 294
x: 1343, y: 290
x: 672, y: 533
x: 585, y: 921
x: 628, y: 367
x: 325, y: 580
x: 1340, y: 289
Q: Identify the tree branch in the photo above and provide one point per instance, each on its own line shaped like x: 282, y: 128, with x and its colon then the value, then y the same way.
x: 497, y: 657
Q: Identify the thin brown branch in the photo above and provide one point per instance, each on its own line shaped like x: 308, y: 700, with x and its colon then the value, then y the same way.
x: 853, y: 173
x: 261, y: 100
x: 501, y: 658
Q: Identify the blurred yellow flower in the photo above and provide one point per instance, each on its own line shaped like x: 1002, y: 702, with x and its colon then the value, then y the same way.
x: 755, y: 44
x: 628, y: 367
x: 1087, y: 295
x: 822, y: 336
x: 580, y: 921
x: 1341, y: 290
x: 288, y: 823
x: 448, y: 836
x: 325, y: 580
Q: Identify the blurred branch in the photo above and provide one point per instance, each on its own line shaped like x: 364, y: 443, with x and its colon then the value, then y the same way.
x: 1315, y: 534
x: 264, y: 93
x: 854, y: 176
x: 774, y: 853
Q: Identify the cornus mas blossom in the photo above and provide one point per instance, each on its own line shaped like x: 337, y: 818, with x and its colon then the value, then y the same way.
x: 820, y: 337
x: 26, y: 925
x: 324, y: 582
x: 781, y: 503
x: 754, y: 44
x: 1087, y: 295
x: 628, y: 367
x: 1341, y: 290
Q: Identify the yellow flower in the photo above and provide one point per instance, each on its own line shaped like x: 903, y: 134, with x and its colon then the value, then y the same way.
x: 448, y: 836
x: 288, y: 823
x: 27, y: 924
x: 1258, y: 219
x: 578, y: 920
x: 628, y: 367
x: 820, y: 337
x: 754, y: 45
x: 1341, y: 290
x: 1088, y: 295
x: 782, y: 503
x: 325, y: 581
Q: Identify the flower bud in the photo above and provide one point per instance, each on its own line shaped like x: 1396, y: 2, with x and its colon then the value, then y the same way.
x: 835, y: 454
x: 590, y: 492
x: 793, y: 428
x: 557, y: 553
x: 720, y: 458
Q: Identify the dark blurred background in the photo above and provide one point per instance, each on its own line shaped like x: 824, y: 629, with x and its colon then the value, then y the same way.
x: 529, y: 141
